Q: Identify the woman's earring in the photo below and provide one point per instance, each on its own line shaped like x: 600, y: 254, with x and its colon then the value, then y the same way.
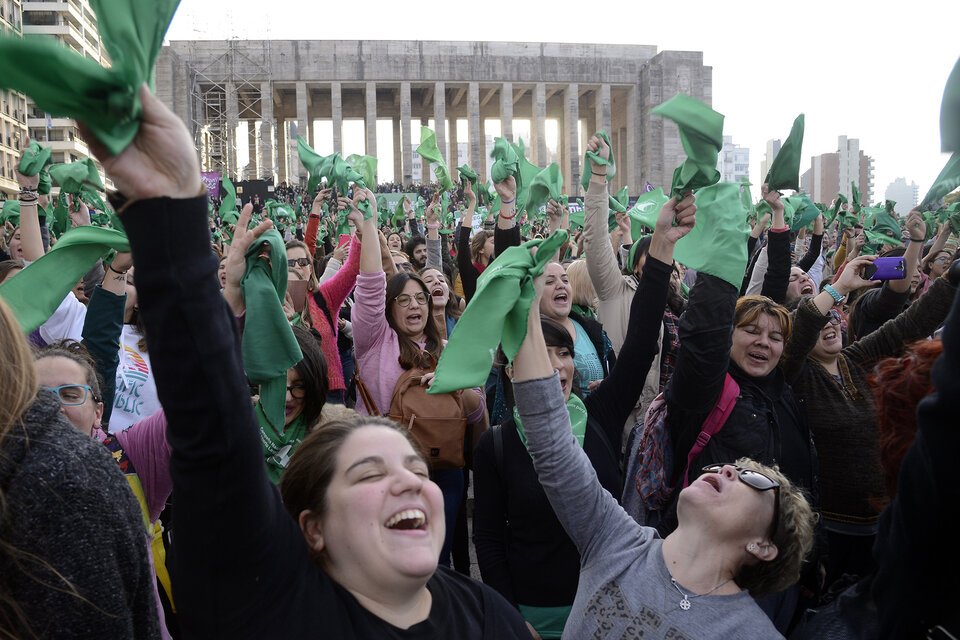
x: 752, y: 548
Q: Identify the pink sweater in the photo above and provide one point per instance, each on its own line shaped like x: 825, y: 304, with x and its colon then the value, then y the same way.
x: 376, y: 347
x: 334, y: 292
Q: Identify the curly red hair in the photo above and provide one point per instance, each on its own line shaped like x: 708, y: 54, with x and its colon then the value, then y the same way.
x: 899, y: 384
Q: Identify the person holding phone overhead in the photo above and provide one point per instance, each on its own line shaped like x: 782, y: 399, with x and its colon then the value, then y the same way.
x: 840, y: 406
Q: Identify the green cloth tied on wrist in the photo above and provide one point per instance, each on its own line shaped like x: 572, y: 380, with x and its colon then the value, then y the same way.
x: 546, y: 185
x: 701, y: 133
x: 497, y: 314
x: 36, y: 292
x: 947, y: 181
x: 67, y: 84
x: 717, y: 244
x: 784, y: 172
x: 591, y: 160
x: 430, y: 152
x: 268, y: 345
x: 35, y: 161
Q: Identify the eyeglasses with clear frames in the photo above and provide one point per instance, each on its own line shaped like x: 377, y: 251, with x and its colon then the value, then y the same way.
x: 404, y: 298
x: 70, y: 395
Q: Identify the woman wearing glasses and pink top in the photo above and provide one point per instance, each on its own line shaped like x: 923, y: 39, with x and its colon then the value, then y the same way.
x: 392, y: 323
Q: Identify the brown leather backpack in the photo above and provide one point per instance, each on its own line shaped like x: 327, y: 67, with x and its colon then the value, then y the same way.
x: 437, y: 421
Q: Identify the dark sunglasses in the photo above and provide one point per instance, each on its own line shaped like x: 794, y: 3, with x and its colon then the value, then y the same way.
x: 302, y: 262
x: 835, y: 317
x: 755, y: 480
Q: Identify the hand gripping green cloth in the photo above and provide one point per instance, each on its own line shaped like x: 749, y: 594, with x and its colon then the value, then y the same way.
x: 950, y: 113
x: 269, y: 347
x: 366, y: 166
x: 73, y: 176
x: 701, y: 132
x: 784, y: 172
x: 429, y: 151
x: 718, y: 242
x: 278, y: 211
x: 497, y: 314
x: 35, y: 161
x: 510, y: 161
x: 36, y: 292
x: 591, y: 159
x: 951, y: 213
x: 67, y: 84
x: 947, y: 181
x: 337, y: 171
x: 855, y: 198
x: 546, y: 185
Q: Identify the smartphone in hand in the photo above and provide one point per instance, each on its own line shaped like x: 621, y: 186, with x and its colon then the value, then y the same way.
x: 886, y: 269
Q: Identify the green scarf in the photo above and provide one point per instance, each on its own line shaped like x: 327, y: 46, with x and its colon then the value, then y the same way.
x: 510, y: 161
x: 546, y: 185
x: 586, y: 312
x: 279, y: 444
x: 35, y: 161
x: 591, y: 159
x: 717, y: 244
x: 950, y: 113
x: 36, y: 292
x: 578, y: 421
x: 497, y: 314
x: 67, y: 84
x: 804, y: 211
x: 784, y: 172
x: 947, y: 181
x: 429, y: 151
x: 268, y: 346
x: 366, y: 166
x: 10, y: 213
x: 701, y: 133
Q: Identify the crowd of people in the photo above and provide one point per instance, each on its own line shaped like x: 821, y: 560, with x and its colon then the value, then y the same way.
x: 238, y: 424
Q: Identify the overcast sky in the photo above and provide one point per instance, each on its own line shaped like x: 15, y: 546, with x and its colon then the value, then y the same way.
x: 869, y: 70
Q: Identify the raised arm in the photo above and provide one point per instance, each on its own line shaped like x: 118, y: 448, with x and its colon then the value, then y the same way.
x: 313, y: 224
x: 911, y: 257
x: 217, y: 460
x: 777, y: 276
x: 468, y: 273
x: 30, y: 239
x: 816, y: 245
x: 434, y: 255
x: 601, y: 260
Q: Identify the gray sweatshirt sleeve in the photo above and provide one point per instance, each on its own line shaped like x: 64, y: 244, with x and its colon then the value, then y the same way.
x: 588, y: 513
x: 434, y: 255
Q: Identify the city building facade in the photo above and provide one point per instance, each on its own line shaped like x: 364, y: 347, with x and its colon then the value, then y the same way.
x: 250, y: 99
x: 833, y: 173
x: 733, y: 161
x: 905, y: 195
x: 13, y: 109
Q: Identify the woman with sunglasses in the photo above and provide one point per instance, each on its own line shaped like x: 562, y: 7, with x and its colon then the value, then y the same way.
x: 840, y: 407
x: 392, y: 324
x: 743, y: 529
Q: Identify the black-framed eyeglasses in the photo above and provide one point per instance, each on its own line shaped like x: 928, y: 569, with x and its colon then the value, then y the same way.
x: 297, y: 391
x: 298, y: 262
x: 404, y: 298
x: 755, y: 480
x: 71, y: 395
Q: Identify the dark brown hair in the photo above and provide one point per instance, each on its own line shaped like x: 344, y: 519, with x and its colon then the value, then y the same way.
x: 313, y: 373
x: 409, y: 350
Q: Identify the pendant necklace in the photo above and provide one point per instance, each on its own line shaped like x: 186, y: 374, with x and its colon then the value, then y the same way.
x: 685, y: 600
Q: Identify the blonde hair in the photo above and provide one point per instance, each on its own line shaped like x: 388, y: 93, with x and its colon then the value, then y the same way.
x: 793, y: 538
x: 476, y: 244
x: 18, y: 377
x: 583, y: 292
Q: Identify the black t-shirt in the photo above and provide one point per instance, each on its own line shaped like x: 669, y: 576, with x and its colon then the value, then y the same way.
x: 462, y: 608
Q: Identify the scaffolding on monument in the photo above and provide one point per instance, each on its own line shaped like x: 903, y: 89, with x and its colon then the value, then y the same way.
x: 212, y: 120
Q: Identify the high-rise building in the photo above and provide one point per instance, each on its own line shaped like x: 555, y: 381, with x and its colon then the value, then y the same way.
x: 833, y: 173
x: 905, y: 195
x: 733, y: 162
x: 13, y: 109
x: 74, y: 24
x: 771, y: 151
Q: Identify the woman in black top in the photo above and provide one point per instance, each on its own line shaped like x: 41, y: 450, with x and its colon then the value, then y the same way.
x: 522, y: 549
x: 245, y: 567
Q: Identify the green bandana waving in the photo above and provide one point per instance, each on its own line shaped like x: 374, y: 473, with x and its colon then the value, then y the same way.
x: 784, y: 172
x: 429, y: 151
x: 701, y: 133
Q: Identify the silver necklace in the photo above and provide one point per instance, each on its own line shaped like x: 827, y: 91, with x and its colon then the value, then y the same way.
x: 685, y: 600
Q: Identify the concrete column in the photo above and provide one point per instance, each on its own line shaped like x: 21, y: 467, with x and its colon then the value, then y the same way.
x: 474, y: 131
x: 336, y: 114
x: 506, y: 110
x: 538, y: 124
x: 571, y: 140
x: 370, y: 97
x: 303, y: 129
x: 632, y: 176
x: 440, y: 122
x: 405, y: 140
x: 397, y: 153
x: 268, y: 166
x: 454, y: 158
x: 424, y: 165
x: 233, y: 118
x: 602, y: 106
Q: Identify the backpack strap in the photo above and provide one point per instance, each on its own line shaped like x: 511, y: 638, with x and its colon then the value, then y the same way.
x: 365, y: 395
x: 714, y: 422
x: 498, y: 445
